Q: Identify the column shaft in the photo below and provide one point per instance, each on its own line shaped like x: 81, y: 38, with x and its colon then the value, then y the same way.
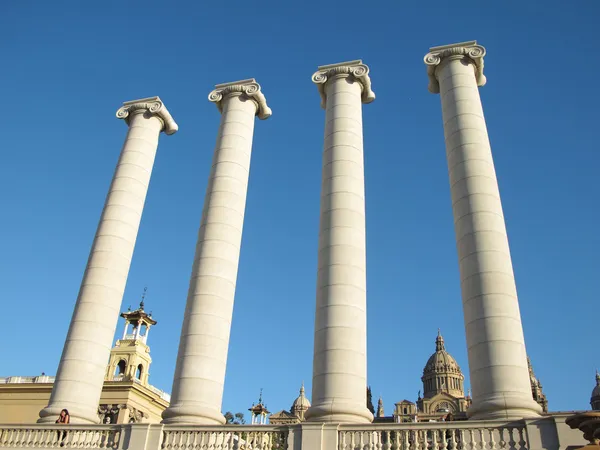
x: 340, y: 343
x: 496, y: 346
x: 80, y: 375
x: 202, y: 357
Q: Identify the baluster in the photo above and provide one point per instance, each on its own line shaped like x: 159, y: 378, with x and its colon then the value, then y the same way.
x: 412, y: 439
x: 249, y: 441
x: 511, y: 439
x: 492, y: 441
x: 380, y: 434
x: 386, y: 436
x: 482, y: 439
x: 393, y: 440
x: 502, y: 435
x: 256, y: 441
x: 461, y: 439
x: 343, y: 445
x: 434, y: 440
x: 353, y: 441
x: 201, y: 440
x: 444, y: 443
x: 452, y: 441
x: 522, y: 442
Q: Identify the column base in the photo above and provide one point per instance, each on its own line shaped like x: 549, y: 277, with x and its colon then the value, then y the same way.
x: 192, y: 415
x: 338, y: 412
x: 77, y: 414
x: 508, y: 406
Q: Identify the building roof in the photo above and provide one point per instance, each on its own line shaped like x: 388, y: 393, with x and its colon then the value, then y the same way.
x: 301, y: 401
x: 596, y: 391
x: 441, y: 361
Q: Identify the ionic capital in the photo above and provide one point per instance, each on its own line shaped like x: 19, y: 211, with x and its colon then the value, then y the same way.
x: 438, y: 55
x: 150, y: 105
x: 248, y: 88
x: 358, y: 71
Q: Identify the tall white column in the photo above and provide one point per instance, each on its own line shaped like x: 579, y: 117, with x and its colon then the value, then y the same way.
x: 340, y: 347
x: 197, y: 391
x: 80, y: 376
x: 496, y: 346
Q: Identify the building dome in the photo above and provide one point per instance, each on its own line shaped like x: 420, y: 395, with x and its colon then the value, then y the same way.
x: 441, y: 361
x: 595, y: 400
x: 301, y: 404
x: 442, y: 373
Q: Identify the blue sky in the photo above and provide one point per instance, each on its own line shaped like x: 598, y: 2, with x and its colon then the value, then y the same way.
x: 68, y: 66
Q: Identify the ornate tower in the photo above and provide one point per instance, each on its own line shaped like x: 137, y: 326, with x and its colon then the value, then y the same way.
x: 380, y: 411
x: 595, y: 400
x: 130, y: 357
x: 259, y: 413
x: 536, y: 388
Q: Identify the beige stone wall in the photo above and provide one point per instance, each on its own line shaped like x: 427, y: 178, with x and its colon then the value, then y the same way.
x: 21, y: 403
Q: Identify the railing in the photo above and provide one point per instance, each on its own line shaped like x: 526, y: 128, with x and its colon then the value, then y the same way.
x: 160, y: 392
x: 464, y: 435
x: 261, y: 437
x: 55, y: 436
x: 27, y: 380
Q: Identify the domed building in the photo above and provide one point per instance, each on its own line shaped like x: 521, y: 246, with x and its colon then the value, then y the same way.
x: 595, y: 400
x: 536, y: 388
x: 443, y: 389
x: 296, y: 412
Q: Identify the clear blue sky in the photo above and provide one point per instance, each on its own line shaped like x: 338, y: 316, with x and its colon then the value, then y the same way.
x: 68, y: 66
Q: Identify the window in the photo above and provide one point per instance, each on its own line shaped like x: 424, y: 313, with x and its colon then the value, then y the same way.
x: 138, y: 374
x: 120, y: 370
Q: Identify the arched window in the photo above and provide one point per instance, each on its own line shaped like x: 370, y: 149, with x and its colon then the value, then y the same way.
x: 405, y: 410
x: 120, y: 370
x: 138, y: 374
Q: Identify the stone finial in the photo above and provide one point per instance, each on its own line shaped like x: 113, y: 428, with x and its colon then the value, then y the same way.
x: 355, y: 69
x: 248, y: 88
x: 468, y: 49
x: 151, y: 105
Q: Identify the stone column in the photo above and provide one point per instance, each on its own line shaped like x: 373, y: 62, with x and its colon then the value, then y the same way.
x: 496, y: 345
x: 80, y: 375
x: 197, y: 391
x: 339, y: 384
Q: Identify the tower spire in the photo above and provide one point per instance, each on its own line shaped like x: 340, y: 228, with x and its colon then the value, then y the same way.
x: 143, y: 297
x: 439, y: 342
x: 597, y: 378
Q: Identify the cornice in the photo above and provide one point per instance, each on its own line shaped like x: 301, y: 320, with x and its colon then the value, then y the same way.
x: 151, y: 105
x: 355, y: 69
x: 468, y: 49
x: 248, y: 88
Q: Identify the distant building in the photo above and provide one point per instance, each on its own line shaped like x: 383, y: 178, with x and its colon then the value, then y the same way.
x: 296, y: 412
x: 127, y: 396
x: 443, y: 394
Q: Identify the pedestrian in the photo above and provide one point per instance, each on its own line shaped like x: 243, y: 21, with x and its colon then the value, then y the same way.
x: 63, y: 419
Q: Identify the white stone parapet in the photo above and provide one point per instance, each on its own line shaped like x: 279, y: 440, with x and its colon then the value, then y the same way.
x: 498, y: 369
x: 340, y: 345
x: 202, y: 358
x: 544, y: 433
x: 80, y: 375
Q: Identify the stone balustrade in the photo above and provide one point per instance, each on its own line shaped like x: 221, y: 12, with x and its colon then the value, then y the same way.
x: 549, y: 433
x: 435, y: 436
x: 65, y: 436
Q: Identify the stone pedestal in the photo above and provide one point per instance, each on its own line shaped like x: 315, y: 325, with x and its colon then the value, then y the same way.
x: 202, y: 358
x: 496, y: 347
x: 340, y: 348
x: 80, y: 375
